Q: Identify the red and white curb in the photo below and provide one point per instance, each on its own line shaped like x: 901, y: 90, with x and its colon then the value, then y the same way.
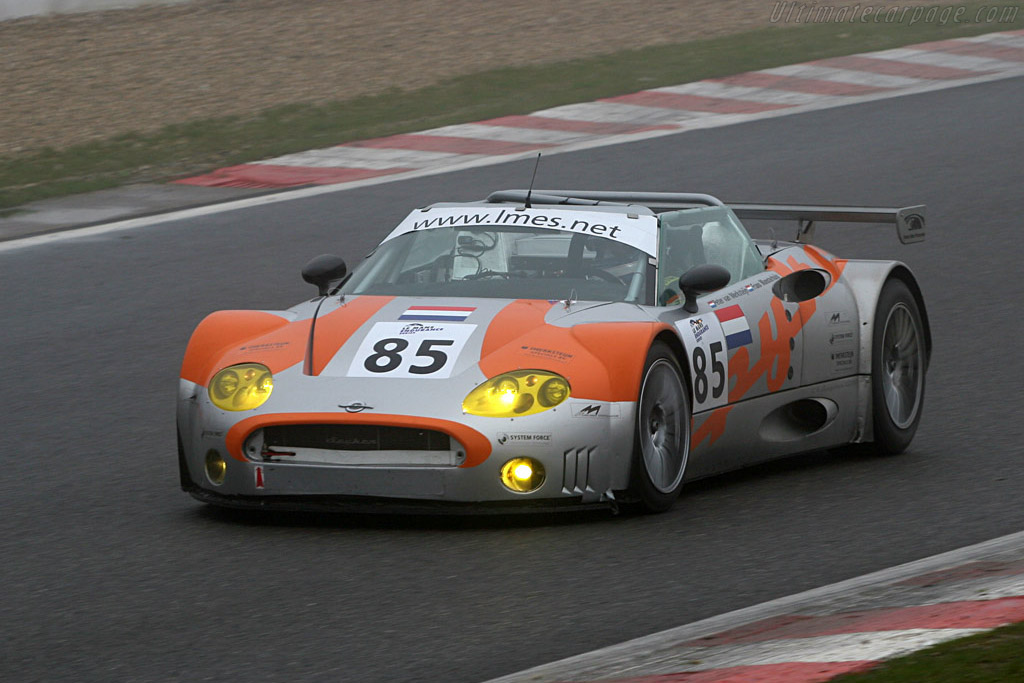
x: 662, y: 111
x: 814, y: 636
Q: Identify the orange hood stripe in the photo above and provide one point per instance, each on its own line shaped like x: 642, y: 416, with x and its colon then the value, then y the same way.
x: 335, y: 328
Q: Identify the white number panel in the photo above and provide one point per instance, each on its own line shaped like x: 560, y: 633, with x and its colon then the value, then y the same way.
x: 416, y: 350
x: 709, y: 360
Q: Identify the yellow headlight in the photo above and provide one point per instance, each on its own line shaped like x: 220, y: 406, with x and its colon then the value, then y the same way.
x: 522, y: 475
x: 514, y: 394
x: 241, y: 387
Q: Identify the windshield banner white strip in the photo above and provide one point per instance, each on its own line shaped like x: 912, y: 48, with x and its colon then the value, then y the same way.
x: 640, y: 232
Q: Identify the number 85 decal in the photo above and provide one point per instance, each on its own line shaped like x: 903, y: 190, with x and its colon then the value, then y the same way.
x: 395, y: 349
x: 709, y: 360
x: 700, y: 372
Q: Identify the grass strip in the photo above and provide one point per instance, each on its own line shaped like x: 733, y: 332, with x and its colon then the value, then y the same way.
x: 992, y: 657
x: 198, y: 146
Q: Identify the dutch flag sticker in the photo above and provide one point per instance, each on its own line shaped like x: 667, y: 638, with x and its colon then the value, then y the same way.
x: 442, y: 313
x: 734, y: 326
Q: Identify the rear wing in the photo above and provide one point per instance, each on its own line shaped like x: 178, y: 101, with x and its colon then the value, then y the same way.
x: 909, y: 220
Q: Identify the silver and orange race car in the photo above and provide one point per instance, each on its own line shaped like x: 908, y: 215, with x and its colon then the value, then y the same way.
x: 555, y: 348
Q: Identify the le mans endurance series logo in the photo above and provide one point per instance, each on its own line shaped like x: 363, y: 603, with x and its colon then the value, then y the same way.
x: 699, y: 327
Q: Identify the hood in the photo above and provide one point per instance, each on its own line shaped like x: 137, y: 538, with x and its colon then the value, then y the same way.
x: 417, y: 338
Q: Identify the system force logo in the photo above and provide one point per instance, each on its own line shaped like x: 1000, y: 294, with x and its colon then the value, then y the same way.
x: 524, y: 439
x: 594, y: 409
x: 840, y: 338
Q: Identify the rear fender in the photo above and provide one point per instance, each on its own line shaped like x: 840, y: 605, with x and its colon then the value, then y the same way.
x: 866, y: 279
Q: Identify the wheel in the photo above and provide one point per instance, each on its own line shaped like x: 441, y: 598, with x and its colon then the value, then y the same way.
x: 897, y: 369
x: 662, y: 436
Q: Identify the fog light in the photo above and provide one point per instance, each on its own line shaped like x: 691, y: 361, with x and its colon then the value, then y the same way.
x: 216, y: 468
x: 522, y: 475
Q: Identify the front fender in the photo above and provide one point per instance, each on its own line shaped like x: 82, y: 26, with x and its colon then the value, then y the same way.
x: 227, y: 337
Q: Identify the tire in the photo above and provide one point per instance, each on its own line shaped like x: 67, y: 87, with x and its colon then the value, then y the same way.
x: 661, y: 440
x: 898, y: 365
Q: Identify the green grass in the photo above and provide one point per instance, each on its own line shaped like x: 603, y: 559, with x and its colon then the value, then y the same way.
x: 198, y: 146
x: 993, y: 657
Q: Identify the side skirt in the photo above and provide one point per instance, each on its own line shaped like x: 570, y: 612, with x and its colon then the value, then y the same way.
x: 823, y: 415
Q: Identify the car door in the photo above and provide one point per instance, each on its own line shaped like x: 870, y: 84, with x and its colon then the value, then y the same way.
x: 743, y: 343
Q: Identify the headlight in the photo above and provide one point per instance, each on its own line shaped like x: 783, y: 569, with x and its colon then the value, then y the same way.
x: 513, y: 394
x: 241, y: 387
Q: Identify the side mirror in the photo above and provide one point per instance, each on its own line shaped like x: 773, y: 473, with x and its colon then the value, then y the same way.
x: 323, y: 270
x: 701, y: 279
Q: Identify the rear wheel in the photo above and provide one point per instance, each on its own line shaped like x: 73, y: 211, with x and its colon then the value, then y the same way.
x: 662, y: 435
x: 897, y: 368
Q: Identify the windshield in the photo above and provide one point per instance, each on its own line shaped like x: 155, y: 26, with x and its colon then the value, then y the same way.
x: 512, y: 262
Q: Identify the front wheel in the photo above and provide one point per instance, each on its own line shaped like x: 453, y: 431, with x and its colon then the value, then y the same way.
x: 897, y: 368
x: 662, y: 437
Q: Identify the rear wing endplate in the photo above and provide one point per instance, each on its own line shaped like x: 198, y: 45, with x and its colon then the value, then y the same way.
x: 909, y: 220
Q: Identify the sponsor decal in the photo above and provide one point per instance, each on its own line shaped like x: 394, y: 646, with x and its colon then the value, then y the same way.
x: 698, y: 327
x: 748, y: 288
x: 734, y: 326
x: 838, y: 318
x: 416, y: 328
x: 350, y: 443
x: 594, y: 409
x: 839, y: 338
x: 842, y: 361
x: 522, y: 439
x: 637, y: 231
x: 268, y: 346
x: 259, y: 477
x: 548, y: 354
x: 356, y: 407
x: 444, y: 313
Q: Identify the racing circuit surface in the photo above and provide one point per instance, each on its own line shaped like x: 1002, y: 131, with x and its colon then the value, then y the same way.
x: 109, y: 572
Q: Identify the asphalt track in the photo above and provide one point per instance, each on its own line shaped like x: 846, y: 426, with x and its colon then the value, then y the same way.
x: 110, y: 573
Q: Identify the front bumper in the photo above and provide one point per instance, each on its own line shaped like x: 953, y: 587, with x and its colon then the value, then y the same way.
x: 585, y: 461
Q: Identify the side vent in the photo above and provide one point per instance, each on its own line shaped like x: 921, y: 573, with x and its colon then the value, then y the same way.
x: 801, y: 285
x: 798, y: 419
x: 576, y: 470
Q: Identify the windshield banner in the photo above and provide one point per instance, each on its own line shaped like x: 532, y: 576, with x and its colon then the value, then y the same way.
x: 640, y: 231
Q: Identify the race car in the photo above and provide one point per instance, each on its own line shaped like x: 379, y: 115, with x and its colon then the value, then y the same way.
x: 556, y: 348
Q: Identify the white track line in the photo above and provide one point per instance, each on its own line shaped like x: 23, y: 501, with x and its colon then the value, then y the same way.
x: 844, y: 647
x: 837, y: 75
x: 361, y: 157
x: 480, y: 131
x: 749, y: 93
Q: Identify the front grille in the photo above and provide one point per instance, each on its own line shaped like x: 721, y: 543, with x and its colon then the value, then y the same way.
x: 355, y: 437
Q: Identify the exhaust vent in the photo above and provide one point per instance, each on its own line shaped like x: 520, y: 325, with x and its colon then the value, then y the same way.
x: 798, y: 419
